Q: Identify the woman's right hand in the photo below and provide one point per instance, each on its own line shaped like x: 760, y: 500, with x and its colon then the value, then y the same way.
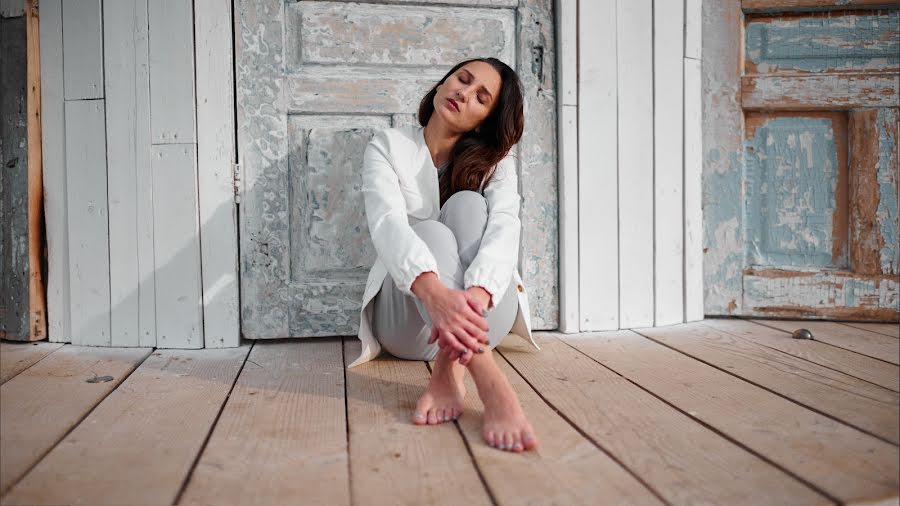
x: 456, y: 326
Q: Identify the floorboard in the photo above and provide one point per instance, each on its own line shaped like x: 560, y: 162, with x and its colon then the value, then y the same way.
x: 566, y: 467
x: 140, y: 443
x: 15, y: 357
x: 842, y: 462
x: 861, y: 341
x: 394, y: 461
x: 859, y: 366
x: 282, y: 433
x: 681, y: 460
x: 868, y: 407
x: 888, y: 329
x: 40, y: 405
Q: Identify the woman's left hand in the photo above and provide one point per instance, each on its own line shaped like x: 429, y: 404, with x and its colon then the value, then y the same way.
x: 478, y: 299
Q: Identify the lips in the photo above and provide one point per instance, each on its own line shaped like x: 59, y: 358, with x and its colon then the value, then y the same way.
x: 453, y: 104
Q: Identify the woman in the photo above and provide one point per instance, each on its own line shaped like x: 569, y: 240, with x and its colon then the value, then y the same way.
x: 442, y: 206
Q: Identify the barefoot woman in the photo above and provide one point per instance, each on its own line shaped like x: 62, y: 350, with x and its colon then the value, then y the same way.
x: 442, y: 206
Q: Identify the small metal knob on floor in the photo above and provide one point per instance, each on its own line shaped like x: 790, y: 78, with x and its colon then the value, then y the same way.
x: 802, y: 334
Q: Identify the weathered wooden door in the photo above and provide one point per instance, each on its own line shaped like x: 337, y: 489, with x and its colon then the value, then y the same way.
x: 314, y: 81
x: 801, y: 158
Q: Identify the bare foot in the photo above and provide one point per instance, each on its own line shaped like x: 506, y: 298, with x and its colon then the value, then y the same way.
x: 443, y: 398
x: 505, y: 425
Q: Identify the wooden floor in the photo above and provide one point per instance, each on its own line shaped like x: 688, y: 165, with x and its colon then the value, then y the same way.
x: 715, y: 412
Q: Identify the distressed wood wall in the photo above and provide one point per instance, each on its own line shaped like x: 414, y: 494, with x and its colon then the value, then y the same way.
x: 22, y: 300
x: 629, y: 144
x: 802, y: 158
x: 138, y: 146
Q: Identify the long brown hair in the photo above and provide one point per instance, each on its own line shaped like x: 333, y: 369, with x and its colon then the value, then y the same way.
x: 475, y: 154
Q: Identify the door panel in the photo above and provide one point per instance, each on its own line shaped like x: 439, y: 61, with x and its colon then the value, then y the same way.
x: 315, y: 80
x: 816, y: 167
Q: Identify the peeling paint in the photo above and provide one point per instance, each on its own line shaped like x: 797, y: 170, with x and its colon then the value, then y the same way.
x: 823, y: 42
x: 887, y: 174
x: 791, y: 171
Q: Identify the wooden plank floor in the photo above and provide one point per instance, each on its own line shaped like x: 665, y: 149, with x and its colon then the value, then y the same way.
x: 714, y: 412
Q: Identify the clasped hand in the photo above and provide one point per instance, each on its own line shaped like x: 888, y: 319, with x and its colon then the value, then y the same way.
x: 458, y: 322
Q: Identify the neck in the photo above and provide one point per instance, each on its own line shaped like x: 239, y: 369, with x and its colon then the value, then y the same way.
x: 440, y: 140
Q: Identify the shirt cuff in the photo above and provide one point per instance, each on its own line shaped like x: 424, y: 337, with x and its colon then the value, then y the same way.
x: 488, y: 281
x: 413, y: 272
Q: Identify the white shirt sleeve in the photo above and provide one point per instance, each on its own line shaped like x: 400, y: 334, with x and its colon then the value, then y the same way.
x: 497, y: 258
x: 403, y: 252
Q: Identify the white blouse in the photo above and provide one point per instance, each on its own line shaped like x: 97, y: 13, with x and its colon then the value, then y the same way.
x: 400, y: 189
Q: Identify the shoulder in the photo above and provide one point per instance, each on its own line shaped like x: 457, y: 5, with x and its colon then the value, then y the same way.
x: 394, y: 140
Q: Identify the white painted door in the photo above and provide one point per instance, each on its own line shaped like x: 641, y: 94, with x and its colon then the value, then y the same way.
x: 315, y: 80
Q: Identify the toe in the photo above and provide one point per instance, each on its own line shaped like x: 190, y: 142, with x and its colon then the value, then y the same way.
x: 491, y: 439
x: 441, y: 415
x: 507, y: 441
x: 432, y: 416
x: 419, y: 418
x: 529, y: 441
x: 517, y: 443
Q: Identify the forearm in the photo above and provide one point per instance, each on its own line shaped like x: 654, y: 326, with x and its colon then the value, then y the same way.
x: 427, y: 285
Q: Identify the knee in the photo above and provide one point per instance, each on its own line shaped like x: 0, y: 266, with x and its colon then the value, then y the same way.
x: 434, y: 232
x: 465, y: 201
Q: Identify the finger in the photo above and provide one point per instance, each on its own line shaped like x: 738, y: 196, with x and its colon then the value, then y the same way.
x: 451, y: 343
x: 477, y: 319
x: 479, y: 335
x: 434, y: 335
x: 466, y: 341
x: 476, y: 306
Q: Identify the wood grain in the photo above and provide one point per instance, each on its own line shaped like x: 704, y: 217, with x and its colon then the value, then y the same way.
x: 37, y: 303
x: 850, y: 363
x: 868, y: 407
x: 17, y: 357
x: 863, y: 342
x: 684, y: 462
x: 828, y: 91
x: 422, y: 464
x: 42, y: 404
x: 139, y: 444
x: 888, y: 329
x: 566, y: 468
x: 282, y: 431
x: 859, y: 466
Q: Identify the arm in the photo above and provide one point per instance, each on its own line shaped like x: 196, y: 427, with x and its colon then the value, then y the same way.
x: 402, y: 251
x: 492, y: 267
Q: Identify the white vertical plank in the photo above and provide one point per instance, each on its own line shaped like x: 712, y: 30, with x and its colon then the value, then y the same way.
x: 172, y: 107
x: 215, y: 158
x: 693, y: 22
x: 128, y: 157
x: 82, y: 49
x: 668, y: 172
x: 88, y: 221
x: 635, y: 78
x: 570, y: 318
x: 598, y: 202
x: 567, y: 138
x: 54, y: 168
x: 177, y: 246
x: 693, y: 170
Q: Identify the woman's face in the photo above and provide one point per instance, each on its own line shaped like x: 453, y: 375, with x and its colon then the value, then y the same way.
x: 467, y: 97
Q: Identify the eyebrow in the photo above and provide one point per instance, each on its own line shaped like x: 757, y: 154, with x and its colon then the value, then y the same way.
x: 482, y: 86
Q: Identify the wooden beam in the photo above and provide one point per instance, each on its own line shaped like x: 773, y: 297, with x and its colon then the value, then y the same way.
x: 829, y: 91
x: 37, y: 303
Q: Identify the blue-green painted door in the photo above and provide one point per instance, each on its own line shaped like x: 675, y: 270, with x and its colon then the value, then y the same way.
x: 801, y: 161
